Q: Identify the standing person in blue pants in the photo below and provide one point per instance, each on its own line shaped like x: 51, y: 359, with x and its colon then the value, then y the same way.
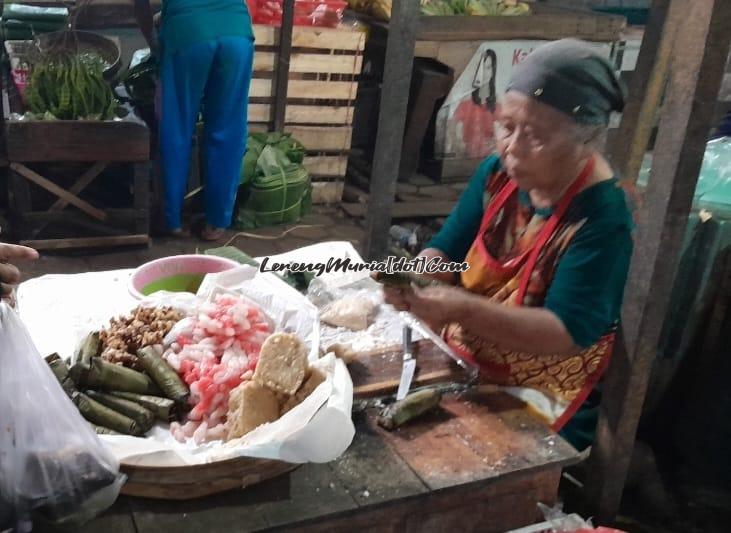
x: 206, y: 55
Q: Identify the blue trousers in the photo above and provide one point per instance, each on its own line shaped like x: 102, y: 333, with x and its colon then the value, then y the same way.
x: 216, y: 74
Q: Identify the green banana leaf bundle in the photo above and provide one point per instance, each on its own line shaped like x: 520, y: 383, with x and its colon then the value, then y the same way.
x: 275, y: 186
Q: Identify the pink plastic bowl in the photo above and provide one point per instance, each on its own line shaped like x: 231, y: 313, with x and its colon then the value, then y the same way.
x: 176, y: 265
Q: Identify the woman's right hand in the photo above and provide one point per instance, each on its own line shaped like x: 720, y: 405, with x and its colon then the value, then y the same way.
x: 9, y: 274
x: 397, y: 297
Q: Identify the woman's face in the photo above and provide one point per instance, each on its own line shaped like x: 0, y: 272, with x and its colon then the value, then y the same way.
x: 487, y: 70
x: 535, y: 142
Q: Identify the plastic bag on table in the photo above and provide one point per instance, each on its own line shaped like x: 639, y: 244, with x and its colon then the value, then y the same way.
x: 53, y: 468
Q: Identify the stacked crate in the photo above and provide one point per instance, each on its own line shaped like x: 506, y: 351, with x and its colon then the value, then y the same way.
x: 323, y: 72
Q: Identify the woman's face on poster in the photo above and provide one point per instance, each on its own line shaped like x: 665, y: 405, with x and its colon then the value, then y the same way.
x: 487, y: 70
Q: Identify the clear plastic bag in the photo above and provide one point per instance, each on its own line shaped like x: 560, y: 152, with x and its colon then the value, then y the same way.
x: 53, y: 468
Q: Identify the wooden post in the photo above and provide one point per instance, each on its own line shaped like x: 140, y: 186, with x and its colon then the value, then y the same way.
x: 699, y: 56
x: 282, y: 69
x: 647, y: 86
x: 391, y: 124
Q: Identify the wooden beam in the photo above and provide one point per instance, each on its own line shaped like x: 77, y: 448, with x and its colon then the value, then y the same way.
x: 405, y: 16
x: 51, y: 187
x: 87, y: 242
x: 699, y: 56
x: 81, y: 184
x: 647, y: 86
x: 281, y: 73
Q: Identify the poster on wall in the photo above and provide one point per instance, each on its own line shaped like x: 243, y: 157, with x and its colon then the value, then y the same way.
x: 464, y: 127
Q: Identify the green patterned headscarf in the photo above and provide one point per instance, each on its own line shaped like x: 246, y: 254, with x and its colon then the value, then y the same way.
x: 570, y: 76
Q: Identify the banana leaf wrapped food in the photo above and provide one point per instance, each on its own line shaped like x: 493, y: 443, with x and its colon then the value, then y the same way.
x: 405, y: 280
x: 413, y: 406
x: 104, y: 375
x: 163, y: 375
x: 101, y: 430
x: 102, y: 415
x: 164, y: 409
x: 142, y: 416
x: 88, y: 349
x: 61, y: 370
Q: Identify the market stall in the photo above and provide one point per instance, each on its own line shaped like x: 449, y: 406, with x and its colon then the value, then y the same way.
x: 449, y: 445
x: 64, y: 128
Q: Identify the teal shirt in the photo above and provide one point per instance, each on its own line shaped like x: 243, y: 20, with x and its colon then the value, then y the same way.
x: 188, y: 22
x: 588, y: 285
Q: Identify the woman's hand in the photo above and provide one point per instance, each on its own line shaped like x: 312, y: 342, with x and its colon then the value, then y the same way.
x: 436, y: 306
x: 396, y: 297
x: 9, y: 274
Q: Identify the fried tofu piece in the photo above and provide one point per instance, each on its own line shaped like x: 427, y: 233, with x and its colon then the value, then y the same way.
x: 249, y: 406
x: 313, y: 380
x: 282, y: 363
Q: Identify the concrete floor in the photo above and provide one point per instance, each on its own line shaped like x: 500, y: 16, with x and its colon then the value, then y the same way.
x: 325, y: 224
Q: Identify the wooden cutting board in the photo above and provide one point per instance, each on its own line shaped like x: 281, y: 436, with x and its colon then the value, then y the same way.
x: 378, y: 373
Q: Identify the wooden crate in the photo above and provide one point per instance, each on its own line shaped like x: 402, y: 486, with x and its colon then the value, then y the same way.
x: 323, y: 72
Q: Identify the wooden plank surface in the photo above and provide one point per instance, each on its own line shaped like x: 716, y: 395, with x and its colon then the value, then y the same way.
x: 87, y: 242
x: 124, y: 141
x: 305, y: 114
x: 491, y: 508
x: 320, y: 138
x: 307, y: 492
x: 314, y: 37
x: 334, y: 90
x: 315, y: 138
x: 312, y: 63
x: 377, y: 374
x: 477, y: 436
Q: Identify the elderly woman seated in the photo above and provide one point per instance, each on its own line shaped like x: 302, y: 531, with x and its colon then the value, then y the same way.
x: 546, y: 230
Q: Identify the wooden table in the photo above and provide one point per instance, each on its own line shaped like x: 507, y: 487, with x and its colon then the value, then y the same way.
x: 479, y: 463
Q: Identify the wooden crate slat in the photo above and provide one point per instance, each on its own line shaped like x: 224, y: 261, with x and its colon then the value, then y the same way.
x: 311, y: 63
x: 332, y: 139
x: 327, y: 165
x: 304, y: 37
x: 330, y: 90
x: 315, y: 138
x: 305, y: 114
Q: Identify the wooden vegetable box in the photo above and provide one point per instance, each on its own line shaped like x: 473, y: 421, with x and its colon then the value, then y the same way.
x: 323, y: 81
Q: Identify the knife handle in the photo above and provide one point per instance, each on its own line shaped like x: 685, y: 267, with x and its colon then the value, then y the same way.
x: 406, y: 337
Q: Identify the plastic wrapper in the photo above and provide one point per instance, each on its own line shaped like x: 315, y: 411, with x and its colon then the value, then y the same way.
x: 322, y: 13
x: 713, y: 189
x: 53, y: 468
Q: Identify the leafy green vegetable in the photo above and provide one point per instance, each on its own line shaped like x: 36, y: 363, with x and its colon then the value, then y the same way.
x: 71, y: 87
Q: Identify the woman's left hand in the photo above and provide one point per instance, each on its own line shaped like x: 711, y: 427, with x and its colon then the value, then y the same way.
x: 437, y: 306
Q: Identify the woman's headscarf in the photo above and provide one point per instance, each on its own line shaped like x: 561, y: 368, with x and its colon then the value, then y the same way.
x: 570, y: 76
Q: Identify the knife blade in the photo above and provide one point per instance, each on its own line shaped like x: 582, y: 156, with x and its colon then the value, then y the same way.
x: 408, y: 366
